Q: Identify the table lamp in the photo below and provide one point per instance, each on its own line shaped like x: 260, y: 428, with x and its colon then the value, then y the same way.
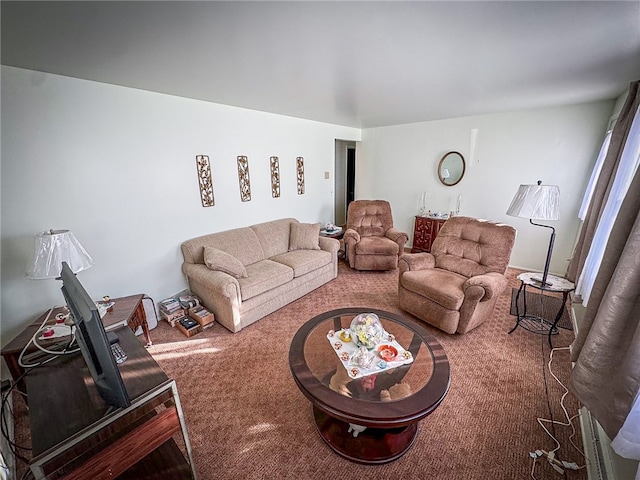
x: 53, y: 247
x: 538, y: 202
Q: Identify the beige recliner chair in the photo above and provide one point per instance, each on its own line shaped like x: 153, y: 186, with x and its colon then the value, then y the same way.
x: 455, y: 287
x: 370, y: 240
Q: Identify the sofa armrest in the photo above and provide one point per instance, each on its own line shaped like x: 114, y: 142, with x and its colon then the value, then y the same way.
x: 416, y: 261
x: 218, y: 291
x: 492, y: 283
x: 397, y: 236
x: 330, y: 245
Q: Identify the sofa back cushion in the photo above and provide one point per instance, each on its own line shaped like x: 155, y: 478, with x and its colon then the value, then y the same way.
x: 242, y: 243
x: 470, y: 247
x: 273, y: 236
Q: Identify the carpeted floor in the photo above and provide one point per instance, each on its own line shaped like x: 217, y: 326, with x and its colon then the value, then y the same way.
x: 248, y: 420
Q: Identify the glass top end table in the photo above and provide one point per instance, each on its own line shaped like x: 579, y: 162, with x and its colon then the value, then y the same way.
x: 535, y: 323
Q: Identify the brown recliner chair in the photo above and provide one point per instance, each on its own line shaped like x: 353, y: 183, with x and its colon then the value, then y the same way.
x: 371, y: 242
x: 455, y: 287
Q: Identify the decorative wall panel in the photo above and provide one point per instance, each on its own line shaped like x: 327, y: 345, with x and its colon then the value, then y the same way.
x: 243, y: 178
x: 300, y: 174
x: 275, y: 177
x: 205, y: 180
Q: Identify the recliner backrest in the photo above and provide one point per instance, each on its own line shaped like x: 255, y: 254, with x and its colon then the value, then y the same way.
x: 469, y: 246
x: 370, y: 218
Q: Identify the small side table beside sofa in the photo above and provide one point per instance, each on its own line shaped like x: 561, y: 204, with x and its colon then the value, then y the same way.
x: 534, y: 323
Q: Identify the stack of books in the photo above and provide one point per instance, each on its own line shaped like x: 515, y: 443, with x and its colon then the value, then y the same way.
x: 171, y: 310
x: 203, y: 316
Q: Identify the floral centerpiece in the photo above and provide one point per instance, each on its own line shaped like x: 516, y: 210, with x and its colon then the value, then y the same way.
x: 367, y: 330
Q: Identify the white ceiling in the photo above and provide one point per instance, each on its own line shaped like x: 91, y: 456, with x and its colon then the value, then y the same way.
x: 356, y: 63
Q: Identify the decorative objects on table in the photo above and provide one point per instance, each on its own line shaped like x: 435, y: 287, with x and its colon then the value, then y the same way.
x: 367, y: 330
x: 538, y: 202
x: 365, y: 348
x: 243, y: 178
x: 205, y: 181
x: 53, y: 247
x: 422, y: 208
x: 300, y: 174
x: 275, y: 176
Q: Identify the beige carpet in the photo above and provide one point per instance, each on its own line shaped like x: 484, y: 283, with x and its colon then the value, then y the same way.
x: 248, y: 420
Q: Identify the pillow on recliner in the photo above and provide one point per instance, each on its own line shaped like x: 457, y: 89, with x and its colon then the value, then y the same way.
x: 216, y: 259
x: 304, y: 236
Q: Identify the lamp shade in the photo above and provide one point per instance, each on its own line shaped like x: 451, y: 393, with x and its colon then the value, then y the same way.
x: 54, y: 247
x: 537, y: 202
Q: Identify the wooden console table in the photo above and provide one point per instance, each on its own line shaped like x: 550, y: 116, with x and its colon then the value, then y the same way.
x: 76, y: 435
x: 126, y: 311
x: 425, y: 232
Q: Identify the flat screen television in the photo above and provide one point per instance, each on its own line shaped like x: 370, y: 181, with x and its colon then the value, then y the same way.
x: 92, y: 340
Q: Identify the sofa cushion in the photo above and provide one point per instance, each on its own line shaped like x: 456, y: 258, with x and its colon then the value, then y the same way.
x: 304, y: 236
x: 241, y: 243
x: 273, y: 236
x: 262, y: 276
x: 441, y: 286
x: 216, y: 259
x: 303, y: 261
x: 377, y: 246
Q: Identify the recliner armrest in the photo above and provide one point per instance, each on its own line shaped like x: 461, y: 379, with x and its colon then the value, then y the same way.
x: 493, y: 284
x: 351, y: 237
x: 397, y: 236
x: 416, y: 261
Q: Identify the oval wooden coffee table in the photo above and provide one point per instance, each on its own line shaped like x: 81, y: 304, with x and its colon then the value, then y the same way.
x: 372, y: 419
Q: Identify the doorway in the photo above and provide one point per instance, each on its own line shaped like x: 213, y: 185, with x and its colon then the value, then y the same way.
x: 345, y: 179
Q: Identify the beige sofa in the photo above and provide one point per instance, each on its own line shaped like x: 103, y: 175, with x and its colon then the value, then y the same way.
x: 247, y: 273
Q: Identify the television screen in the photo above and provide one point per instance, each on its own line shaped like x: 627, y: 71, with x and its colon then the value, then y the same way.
x: 93, y: 341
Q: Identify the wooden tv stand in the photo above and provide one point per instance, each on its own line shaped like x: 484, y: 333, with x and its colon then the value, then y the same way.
x: 76, y: 435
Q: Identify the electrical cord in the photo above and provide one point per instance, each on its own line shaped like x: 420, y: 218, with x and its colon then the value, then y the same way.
x: 557, y: 464
x: 64, y: 351
x: 4, y: 427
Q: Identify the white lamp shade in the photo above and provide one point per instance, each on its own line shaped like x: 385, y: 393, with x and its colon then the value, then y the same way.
x: 54, y: 247
x: 536, y: 202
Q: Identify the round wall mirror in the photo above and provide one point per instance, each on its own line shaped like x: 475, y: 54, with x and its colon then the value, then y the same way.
x: 451, y: 168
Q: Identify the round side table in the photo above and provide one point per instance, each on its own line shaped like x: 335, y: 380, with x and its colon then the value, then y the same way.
x: 534, y: 323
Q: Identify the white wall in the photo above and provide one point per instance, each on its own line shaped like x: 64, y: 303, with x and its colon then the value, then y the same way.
x: 556, y: 145
x: 117, y: 167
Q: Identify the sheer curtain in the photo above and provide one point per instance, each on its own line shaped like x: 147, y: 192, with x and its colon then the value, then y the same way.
x: 626, y: 169
x: 595, y: 175
x: 606, y: 351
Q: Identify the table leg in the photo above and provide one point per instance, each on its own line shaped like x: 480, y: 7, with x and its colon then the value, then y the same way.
x: 518, y: 316
x: 554, y: 326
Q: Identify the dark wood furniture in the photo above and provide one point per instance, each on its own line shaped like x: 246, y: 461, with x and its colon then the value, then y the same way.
x: 425, y: 232
x: 343, y: 406
x: 76, y: 435
x: 126, y: 311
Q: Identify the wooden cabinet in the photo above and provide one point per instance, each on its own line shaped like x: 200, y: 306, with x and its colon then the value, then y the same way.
x: 425, y: 232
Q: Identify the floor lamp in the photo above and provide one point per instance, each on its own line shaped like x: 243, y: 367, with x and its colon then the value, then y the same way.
x: 538, y: 202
